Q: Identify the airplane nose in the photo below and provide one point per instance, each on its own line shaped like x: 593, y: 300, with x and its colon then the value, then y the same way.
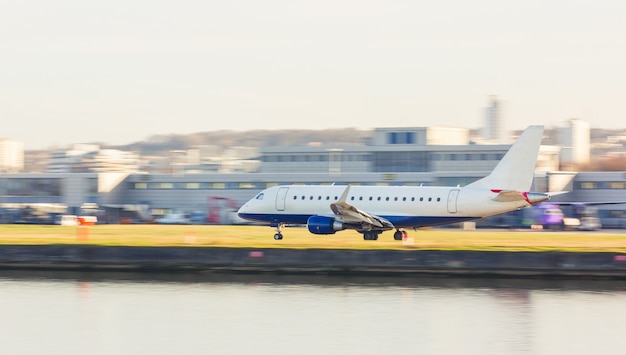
x: 244, y: 210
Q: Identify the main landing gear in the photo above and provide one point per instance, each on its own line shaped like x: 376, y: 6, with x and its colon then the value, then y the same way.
x: 279, y: 234
x: 370, y: 235
x: 400, y: 235
x: 373, y: 235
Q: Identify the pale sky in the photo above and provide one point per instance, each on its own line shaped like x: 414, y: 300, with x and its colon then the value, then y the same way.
x: 119, y: 71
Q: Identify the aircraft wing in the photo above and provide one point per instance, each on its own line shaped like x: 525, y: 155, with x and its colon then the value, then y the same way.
x: 347, y: 213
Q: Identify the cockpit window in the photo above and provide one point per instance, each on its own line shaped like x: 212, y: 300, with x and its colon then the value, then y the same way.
x: 259, y: 196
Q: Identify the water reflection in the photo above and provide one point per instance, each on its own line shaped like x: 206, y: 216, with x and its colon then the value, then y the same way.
x: 504, y: 285
x: 126, y: 313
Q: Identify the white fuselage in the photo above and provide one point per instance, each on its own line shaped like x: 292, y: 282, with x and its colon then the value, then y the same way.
x: 404, y: 206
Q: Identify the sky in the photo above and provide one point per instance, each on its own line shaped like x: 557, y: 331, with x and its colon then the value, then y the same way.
x: 121, y: 71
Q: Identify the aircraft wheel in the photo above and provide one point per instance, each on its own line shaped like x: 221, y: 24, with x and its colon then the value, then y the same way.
x: 397, y: 235
x: 370, y: 235
x: 278, y: 236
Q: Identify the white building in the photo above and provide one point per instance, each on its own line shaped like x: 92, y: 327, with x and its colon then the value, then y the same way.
x: 11, y: 156
x: 84, y: 158
x: 574, y: 139
x: 64, y: 160
x: 420, y: 136
x: 494, y: 126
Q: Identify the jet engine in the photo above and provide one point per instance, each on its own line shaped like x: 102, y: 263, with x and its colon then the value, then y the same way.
x: 323, y: 225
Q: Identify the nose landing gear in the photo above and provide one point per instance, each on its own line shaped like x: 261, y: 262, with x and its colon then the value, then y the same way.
x: 279, y: 234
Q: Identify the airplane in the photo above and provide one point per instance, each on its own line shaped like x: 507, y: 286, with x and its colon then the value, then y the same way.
x: 371, y: 210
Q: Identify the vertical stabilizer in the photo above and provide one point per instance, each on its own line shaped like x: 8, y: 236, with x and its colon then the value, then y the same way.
x: 516, y: 170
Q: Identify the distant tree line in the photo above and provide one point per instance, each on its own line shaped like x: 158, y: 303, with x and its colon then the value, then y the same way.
x: 256, y: 138
x: 35, y: 161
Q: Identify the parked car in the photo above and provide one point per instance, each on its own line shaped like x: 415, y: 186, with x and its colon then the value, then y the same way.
x: 173, y: 218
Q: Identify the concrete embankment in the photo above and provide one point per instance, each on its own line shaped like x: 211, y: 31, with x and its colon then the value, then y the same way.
x: 76, y: 257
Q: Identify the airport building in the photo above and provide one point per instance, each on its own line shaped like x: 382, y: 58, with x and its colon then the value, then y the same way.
x: 84, y: 158
x: 574, y: 139
x: 393, y: 156
x: 438, y: 150
x: 493, y: 130
x: 11, y: 156
x: 215, y: 197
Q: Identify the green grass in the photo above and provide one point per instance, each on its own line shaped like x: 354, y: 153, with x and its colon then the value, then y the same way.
x: 262, y: 237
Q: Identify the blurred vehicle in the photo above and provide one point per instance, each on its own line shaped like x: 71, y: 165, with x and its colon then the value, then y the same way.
x: 556, y: 216
x: 548, y: 216
x: 66, y: 220
x: 584, y: 218
x: 87, y: 220
x: 73, y: 220
x: 125, y: 214
x: 613, y: 218
x: 197, y: 217
x: 220, y: 210
x: 584, y: 215
x: 173, y: 218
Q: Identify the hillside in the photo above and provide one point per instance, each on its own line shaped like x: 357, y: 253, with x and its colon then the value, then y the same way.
x: 255, y: 138
x: 605, y: 158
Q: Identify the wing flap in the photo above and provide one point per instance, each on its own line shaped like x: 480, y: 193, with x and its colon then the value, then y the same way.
x: 347, y: 213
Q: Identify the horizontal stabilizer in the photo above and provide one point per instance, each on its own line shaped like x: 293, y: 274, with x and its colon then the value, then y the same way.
x: 532, y: 198
x: 507, y: 196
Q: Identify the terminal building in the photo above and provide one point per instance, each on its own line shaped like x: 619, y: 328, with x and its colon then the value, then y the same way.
x: 11, y: 156
x: 400, y: 156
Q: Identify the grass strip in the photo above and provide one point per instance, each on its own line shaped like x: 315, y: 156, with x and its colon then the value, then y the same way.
x: 300, y: 238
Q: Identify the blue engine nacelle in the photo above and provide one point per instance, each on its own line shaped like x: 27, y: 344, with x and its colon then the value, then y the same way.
x: 323, y: 225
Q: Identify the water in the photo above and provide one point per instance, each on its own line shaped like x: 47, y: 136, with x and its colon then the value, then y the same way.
x: 68, y: 313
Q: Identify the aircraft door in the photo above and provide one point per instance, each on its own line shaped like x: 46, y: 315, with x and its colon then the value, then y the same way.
x: 280, y: 198
x: 452, y: 197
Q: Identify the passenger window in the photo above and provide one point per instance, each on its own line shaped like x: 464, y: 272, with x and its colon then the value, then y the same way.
x: 412, y: 199
x: 361, y: 198
x: 387, y: 199
x: 352, y: 198
x: 438, y: 199
x: 303, y: 197
x: 430, y: 199
x: 421, y: 199
x: 295, y: 197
